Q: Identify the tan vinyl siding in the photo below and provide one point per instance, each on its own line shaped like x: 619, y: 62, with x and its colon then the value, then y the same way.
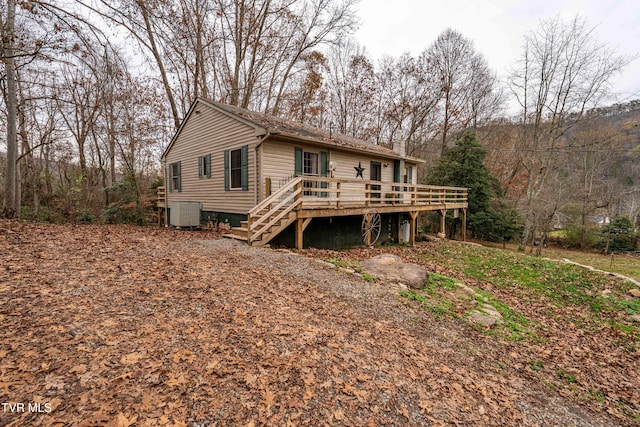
x: 346, y: 163
x: 278, y: 163
x: 212, y: 132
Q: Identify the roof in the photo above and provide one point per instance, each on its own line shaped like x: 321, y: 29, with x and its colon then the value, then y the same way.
x: 290, y: 129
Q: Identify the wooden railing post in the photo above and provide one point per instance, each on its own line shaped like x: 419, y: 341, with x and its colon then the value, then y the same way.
x: 367, y: 194
x: 267, y: 187
x: 338, y: 194
x: 300, y: 186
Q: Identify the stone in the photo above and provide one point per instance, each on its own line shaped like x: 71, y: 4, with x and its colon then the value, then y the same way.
x: 605, y: 293
x: 635, y: 317
x: 480, y: 318
x: 391, y: 269
x: 467, y: 290
x: 485, y: 315
x: 634, y: 293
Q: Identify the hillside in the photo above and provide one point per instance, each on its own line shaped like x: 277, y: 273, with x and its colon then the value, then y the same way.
x: 126, y: 326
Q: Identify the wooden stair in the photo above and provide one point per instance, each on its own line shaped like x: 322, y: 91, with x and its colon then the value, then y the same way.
x: 239, y: 233
x: 242, y: 233
x: 271, y: 216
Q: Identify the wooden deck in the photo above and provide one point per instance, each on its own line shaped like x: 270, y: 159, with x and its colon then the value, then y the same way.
x: 162, y: 198
x: 305, y: 198
x: 161, y: 204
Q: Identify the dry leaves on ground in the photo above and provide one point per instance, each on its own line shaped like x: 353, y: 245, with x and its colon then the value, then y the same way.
x: 125, y: 326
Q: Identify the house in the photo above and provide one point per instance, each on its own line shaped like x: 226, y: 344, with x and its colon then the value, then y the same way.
x: 269, y: 178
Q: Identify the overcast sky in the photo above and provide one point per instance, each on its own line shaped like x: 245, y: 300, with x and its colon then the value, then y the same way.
x: 393, y: 27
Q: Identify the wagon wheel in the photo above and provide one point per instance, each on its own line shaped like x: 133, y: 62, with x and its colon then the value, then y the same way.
x: 371, y: 225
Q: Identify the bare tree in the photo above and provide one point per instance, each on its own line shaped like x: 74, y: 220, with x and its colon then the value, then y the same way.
x: 408, y: 103
x: 564, y: 71
x: 143, y: 22
x: 305, y: 101
x: 10, y: 209
x: 466, y: 83
x: 352, y: 85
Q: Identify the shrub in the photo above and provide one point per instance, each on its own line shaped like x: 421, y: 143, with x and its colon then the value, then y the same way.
x: 619, y: 235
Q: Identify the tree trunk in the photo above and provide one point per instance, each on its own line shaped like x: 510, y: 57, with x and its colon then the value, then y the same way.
x: 525, y: 236
x: 10, y: 202
x: 156, y: 54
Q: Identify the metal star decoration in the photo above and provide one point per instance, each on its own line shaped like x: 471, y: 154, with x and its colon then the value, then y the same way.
x: 359, y: 169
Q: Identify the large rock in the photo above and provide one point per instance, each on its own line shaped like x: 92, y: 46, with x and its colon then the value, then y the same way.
x: 634, y: 292
x: 486, y: 315
x: 391, y: 269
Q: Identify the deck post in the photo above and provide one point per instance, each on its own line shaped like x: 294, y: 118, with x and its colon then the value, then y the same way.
x: 338, y: 194
x: 443, y: 214
x: 249, y: 228
x: 464, y: 224
x: 299, y: 233
x: 267, y: 186
x: 413, y: 227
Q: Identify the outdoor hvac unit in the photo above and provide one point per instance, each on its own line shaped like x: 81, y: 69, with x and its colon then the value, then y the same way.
x: 185, y: 214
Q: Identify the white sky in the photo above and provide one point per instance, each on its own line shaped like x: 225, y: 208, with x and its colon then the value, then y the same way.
x: 497, y: 27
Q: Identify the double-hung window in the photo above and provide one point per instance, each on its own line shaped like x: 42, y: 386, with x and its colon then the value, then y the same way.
x: 175, y: 176
x: 236, y: 169
x: 204, y: 166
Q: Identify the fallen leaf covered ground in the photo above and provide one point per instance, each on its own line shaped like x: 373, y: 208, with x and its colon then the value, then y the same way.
x: 127, y: 326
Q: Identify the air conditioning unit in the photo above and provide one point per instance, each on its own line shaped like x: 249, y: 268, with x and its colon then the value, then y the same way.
x: 185, y: 214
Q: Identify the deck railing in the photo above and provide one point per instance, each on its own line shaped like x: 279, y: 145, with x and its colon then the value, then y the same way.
x: 302, y: 193
x: 343, y: 193
x: 162, y: 197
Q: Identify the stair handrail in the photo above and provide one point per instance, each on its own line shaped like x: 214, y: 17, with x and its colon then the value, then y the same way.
x: 292, y: 190
x: 273, y: 220
x: 272, y: 198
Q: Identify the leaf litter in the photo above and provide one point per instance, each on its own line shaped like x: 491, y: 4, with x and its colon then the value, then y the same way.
x: 127, y: 326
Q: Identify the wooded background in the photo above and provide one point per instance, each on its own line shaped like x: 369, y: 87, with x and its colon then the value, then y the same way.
x: 93, y: 90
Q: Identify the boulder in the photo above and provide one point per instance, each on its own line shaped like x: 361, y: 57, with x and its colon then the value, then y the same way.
x: 486, y: 315
x: 391, y: 269
x: 634, y: 292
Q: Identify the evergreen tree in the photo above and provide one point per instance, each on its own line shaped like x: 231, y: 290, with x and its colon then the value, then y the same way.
x: 489, y: 215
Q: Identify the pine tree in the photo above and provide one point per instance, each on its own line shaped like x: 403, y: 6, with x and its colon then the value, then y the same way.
x: 489, y: 215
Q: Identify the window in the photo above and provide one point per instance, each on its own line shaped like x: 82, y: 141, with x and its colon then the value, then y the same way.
x: 310, y: 164
x: 204, y: 166
x: 236, y: 169
x: 175, y: 179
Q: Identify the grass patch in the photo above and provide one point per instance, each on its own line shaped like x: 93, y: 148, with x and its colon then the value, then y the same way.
x: 368, y: 277
x: 566, y: 377
x: 438, y: 280
x: 433, y: 302
x: 516, y: 326
x: 563, y: 284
